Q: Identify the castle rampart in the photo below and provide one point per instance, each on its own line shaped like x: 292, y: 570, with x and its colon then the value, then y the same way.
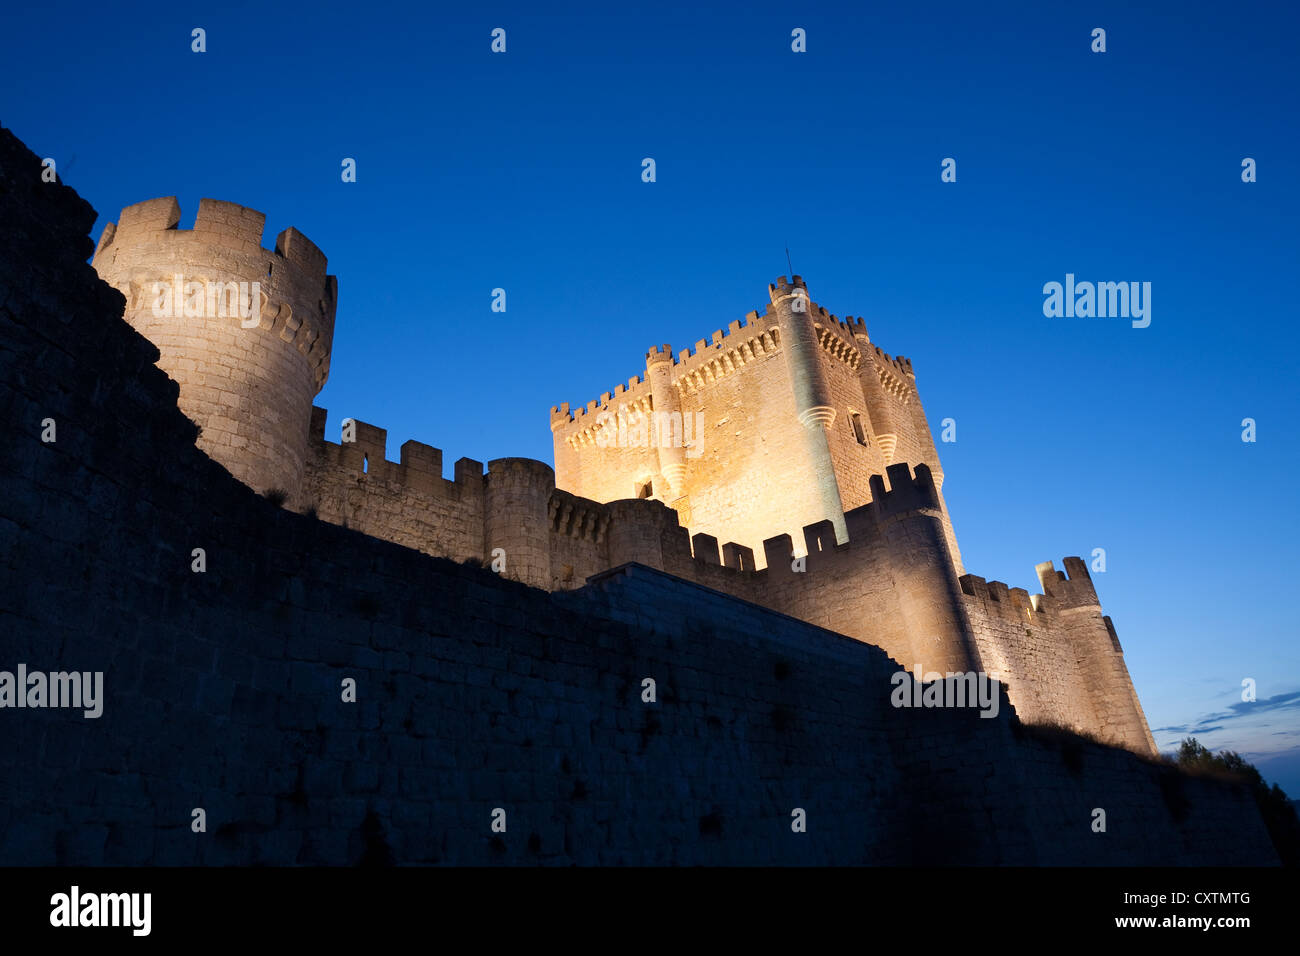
x: 1057, y: 654
x: 408, y: 502
x: 245, y: 331
x: 786, y: 462
x: 890, y: 583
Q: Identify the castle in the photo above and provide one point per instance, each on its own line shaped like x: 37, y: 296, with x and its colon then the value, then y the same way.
x: 332, y: 695
x: 791, y: 438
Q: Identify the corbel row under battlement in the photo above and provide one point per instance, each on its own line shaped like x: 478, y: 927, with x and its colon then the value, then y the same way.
x: 576, y: 517
x: 895, y: 375
x: 691, y: 372
x: 572, y: 426
x: 608, y: 415
x: 837, y: 347
x: 852, y: 333
x: 726, y: 352
x: 840, y: 338
x: 721, y: 342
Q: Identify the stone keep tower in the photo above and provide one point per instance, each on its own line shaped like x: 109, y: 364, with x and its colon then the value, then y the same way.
x: 245, y: 331
x: 788, y: 416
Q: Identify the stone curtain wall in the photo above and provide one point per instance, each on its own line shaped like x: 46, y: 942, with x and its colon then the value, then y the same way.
x: 408, y: 502
x: 890, y: 585
x: 1059, y: 656
x: 222, y: 688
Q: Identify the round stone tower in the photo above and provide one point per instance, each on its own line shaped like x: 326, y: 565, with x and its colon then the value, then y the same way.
x: 812, y: 394
x: 667, y: 405
x: 518, y: 492
x: 244, y: 331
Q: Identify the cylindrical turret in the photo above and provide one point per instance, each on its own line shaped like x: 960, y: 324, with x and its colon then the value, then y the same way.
x: 812, y: 398
x: 636, y: 531
x: 668, y: 424
x: 910, y: 518
x: 517, y: 518
x: 1096, y: 650
x: 930, y: 455
x: 244, y: 331
x: 812, y: 394
x: 879, y: 410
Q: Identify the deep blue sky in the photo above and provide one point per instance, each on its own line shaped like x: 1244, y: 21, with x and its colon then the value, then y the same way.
x: 522, y: 171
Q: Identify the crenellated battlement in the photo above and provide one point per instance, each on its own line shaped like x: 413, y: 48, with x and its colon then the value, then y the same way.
x: 783, y: 287
x: 575, y: 517
x: 657, y: 355
x: 646, y: 531
x: 582, y: 429
x: 1020, y: 605
x: 419, y: 468
x: 853, y: 331
x: 830, y: 339
x: 906, y: 492
x: 856, y: 327
x: 753, y: 323
x: 895, y: 376
x: 1072, y: 587
x: 891, y: 582
x: 1060, y: 592
x: 578, y: 427
x: 727, y: 353
x: 898, y: 364
x: 1015, y: 605
x: 1059, y: 655
x: 298, y: 297
x: 834, y: 324
x: 222, y: 224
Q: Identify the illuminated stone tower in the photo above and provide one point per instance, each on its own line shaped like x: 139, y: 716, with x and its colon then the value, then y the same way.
x: 244, y: 331
x: 793, y: 412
